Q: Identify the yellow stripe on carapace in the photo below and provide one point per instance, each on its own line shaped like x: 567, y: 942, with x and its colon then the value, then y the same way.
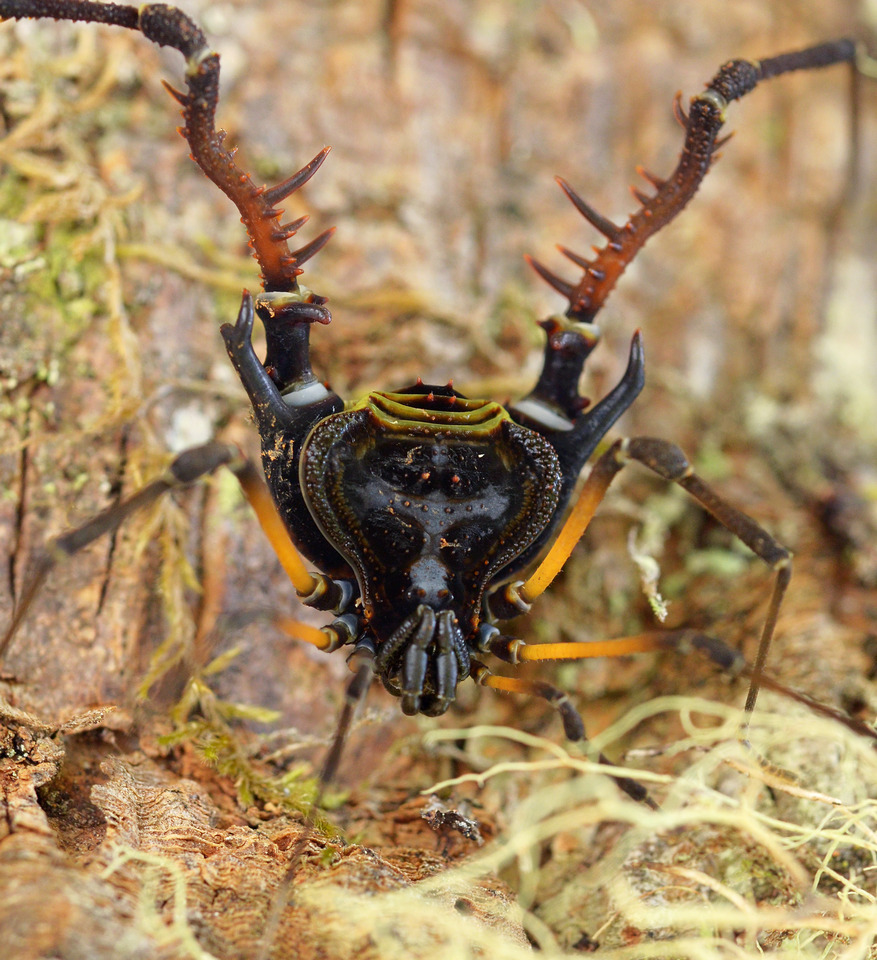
x: 405, y: 411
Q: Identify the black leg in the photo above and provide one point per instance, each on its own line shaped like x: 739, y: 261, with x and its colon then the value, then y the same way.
x: 187, y: 468
x: 515, y: 651
x: 362, y: 663
x: 573, y: 725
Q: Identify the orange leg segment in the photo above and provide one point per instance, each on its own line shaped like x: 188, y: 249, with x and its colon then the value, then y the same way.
x: 669, y: 462
x: 591, y: 496
x: 259, y: 498
x: 328, y: 638
x: 514, y: 651
x: 187, y: 468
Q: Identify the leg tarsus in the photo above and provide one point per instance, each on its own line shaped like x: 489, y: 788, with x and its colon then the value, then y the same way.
x: 573, y: 725
x: 781, y: 584
x: 362, y: 661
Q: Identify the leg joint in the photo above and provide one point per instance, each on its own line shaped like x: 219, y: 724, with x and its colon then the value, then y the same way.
x: 660, y: 456
x: 193, y: 464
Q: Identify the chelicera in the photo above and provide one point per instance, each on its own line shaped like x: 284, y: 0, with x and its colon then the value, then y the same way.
x: 431, y: 517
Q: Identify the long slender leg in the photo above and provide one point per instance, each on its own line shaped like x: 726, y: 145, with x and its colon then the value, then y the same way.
x: 669, y: 462
x: 185, y: 469
x: 573, y: 725
x: 515, y: 651
x: 362, y: 663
